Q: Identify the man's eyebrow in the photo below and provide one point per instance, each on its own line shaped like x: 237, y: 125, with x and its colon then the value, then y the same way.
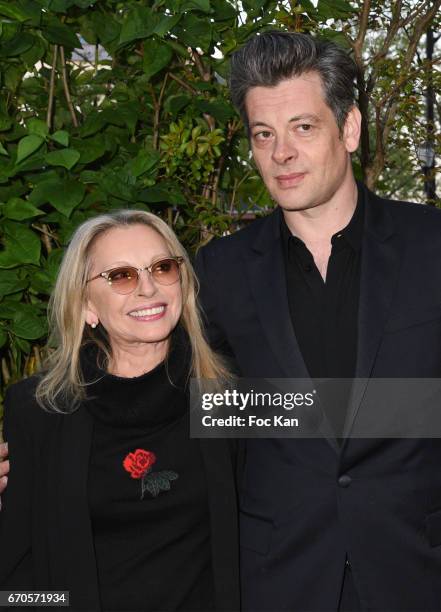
x: 304, y: 116
x: 259, y: 123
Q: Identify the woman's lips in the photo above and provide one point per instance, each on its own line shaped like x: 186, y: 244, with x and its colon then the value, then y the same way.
x: 149, y: 313
x: 290, y: 180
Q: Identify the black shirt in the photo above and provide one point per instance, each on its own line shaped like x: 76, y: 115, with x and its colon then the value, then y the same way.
x: 324, y: 314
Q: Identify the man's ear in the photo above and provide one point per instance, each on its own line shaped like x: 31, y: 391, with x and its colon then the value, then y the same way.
x: 352, y: 130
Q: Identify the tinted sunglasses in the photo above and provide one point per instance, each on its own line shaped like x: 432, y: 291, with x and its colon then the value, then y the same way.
x: 125, y: 279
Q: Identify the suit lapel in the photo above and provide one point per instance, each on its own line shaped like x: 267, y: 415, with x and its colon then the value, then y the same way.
x: 74, y: 556
x: 380, y: 264
x: 266, y: 273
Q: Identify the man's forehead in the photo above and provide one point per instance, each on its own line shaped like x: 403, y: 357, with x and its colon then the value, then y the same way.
x: 299, y: 97
x: 304, y: 88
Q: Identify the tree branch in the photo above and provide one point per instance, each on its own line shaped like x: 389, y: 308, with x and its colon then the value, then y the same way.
x: 157, y: 105
x: 385, y: 122
x: 66, y: 88
x: 50, y: 104
x: 206, y: 76
x: 359, y: 41
x: 183, y: 83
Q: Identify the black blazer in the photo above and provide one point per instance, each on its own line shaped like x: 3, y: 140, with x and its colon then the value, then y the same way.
x: 299, y: 518
x: 45, y: 529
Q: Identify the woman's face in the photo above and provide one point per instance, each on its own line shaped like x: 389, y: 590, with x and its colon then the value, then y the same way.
x: 148, y: 315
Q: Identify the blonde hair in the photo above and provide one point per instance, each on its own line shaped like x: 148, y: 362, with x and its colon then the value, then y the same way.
x: 62, y: 382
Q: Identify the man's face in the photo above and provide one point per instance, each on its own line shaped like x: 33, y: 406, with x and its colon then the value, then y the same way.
x: 296, y: 144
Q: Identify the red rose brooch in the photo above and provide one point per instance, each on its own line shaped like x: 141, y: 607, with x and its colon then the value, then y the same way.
x: 139, y: 465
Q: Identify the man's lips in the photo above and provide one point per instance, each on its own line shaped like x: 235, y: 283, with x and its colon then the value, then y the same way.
x: 290, y: 180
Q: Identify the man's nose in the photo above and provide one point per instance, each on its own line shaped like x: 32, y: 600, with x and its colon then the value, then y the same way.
x: 284, y: 150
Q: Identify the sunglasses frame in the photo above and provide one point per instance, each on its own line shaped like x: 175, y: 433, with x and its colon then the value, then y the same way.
x: 179, y: 260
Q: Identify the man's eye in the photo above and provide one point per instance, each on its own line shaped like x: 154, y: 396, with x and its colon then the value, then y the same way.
x: 264, y: 135
x: 305, y: 127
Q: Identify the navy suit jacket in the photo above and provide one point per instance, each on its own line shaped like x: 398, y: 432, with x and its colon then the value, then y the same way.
x: 299, y: 519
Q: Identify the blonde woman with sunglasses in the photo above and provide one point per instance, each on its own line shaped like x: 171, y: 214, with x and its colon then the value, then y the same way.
x: 108, y: 496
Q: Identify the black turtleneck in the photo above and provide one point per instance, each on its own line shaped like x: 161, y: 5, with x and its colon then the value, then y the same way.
x: 147, y: 489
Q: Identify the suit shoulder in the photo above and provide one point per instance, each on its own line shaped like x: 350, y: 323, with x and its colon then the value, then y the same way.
x: 240, y: 239
x: 20, y: 403
x: 415, y: 216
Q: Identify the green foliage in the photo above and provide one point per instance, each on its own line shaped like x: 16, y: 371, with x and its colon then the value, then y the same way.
x: 107, y: 104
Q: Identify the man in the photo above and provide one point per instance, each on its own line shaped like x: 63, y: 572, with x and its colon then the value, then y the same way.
x: 337, y: 283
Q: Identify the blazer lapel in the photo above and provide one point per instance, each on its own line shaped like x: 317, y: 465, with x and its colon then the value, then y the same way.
x: 266, y: 272
x: 72, y: 544
x: 380, y: 264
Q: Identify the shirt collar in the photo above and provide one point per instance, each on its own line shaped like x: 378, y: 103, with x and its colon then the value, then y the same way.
x: 352, y: 233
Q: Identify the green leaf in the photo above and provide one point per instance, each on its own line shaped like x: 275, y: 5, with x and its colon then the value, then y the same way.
x: 219, y: 109
x: 10, y: 282
x: 59, y: 6
x: 167, y: 23
x: 90, y: 148
x: 163, y: 192
x: 169, y: 474
x: 5, y: 122
x: 128, y: 113
x: 37, y: 127
x: 106, y: 29
x: 27, y: 146
x: 30, y: 327
x: 17, y: 45
x: 329, y: 9
x: 199, y: 5
x: 151, y: 485
x: 18, y: 209
x: 22, y: 246
x: 3, y: 150
x: 14, y: 12
x: 3, y: 336
x: 174, y: 104
x: 64, y: 195
x: 61, y: 137
x: 84, y: 4
x: 144, y: 161
x: 223, y: 10
x: 60, y: 34
x: 66, y: 158
x: 23, y: 345
x: 156, y: 57
x: 140, y: 22
x: 196, y: 32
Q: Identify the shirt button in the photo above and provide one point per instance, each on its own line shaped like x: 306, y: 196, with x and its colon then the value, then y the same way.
x: 344, y: 481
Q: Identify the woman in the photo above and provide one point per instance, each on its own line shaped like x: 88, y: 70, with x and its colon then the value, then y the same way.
x: 108, y: 497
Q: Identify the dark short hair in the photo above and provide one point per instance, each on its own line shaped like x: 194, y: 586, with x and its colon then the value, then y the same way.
x: 271, y: 57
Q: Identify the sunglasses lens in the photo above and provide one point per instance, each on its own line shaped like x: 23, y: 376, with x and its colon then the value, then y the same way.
x: 123, y: 280
x: 166, y: 271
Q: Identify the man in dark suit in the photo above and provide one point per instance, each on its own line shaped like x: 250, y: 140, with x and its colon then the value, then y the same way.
x: 335, y: 283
